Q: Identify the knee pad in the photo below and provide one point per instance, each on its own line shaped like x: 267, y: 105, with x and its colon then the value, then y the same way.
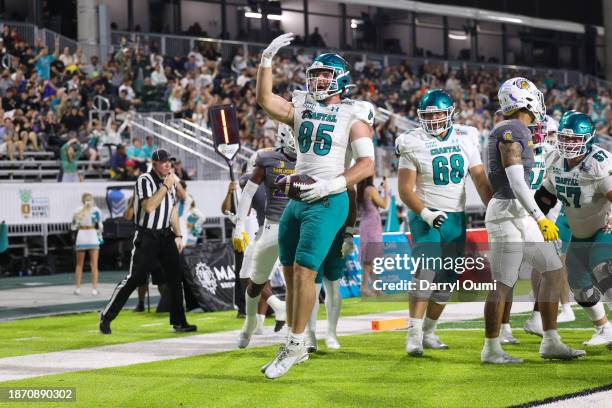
x: 586, y: 297
x: 440, y: 296
x: 603, y: 275
x: 423, y: 275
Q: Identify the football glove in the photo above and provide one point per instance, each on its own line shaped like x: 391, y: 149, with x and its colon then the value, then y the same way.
x: 548, y: 229
x: 435, y: 219
x: 240, y: 239
x: 321, y: 188
x: 276, y: 44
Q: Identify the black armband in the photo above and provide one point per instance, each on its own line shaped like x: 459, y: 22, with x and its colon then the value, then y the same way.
x: 545, y: 199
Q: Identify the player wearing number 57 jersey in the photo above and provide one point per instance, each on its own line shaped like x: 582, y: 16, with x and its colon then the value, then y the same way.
x: 579, y: 175
x: 435, y: 160
x: 325, y: 126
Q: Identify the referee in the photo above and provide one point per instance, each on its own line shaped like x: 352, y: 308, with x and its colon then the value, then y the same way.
x: 157, y: 239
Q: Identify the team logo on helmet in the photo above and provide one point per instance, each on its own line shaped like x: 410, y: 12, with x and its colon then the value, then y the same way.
x: 521, y: 83
x: 507, y: 135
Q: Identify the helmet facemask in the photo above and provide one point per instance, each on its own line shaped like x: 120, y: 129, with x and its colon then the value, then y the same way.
x: 571, y: 145
x: 322, y: 81
x: 287, y: 141
x: 438, y: 125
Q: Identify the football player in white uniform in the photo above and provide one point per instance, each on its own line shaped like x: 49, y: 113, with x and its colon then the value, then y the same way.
x: 580, y: 176
x: 269, y: 166
x: 511, y: 219
x: 310, y: 230
x: 435, y: 160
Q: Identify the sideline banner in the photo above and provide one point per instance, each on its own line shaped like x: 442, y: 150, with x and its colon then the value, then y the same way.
x: 210, y: 275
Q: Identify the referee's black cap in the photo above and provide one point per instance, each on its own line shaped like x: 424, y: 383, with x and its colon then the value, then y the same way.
x: 161, y: 155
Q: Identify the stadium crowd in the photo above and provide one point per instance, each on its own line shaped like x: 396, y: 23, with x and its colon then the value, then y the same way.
x: 47, y: 96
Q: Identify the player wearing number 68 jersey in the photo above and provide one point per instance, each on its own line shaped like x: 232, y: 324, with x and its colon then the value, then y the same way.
x: 435, y: 160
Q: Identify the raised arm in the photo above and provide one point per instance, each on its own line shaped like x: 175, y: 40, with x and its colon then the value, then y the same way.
x: 274, y: 105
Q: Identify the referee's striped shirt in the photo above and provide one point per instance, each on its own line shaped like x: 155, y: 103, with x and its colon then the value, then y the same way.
x: 146, y: 186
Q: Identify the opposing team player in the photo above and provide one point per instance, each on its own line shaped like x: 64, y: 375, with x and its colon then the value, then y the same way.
x: 325, y: 126
x: 435, y: 160
x: 510, y: 220
x: 580, y: 177
x: 270, y: 166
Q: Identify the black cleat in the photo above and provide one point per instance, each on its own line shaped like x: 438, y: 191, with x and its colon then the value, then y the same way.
x: 185, y: 328
x: 139, y: 307
x: 278, y: 325
x: 240, y: 315
x: 104, y: 325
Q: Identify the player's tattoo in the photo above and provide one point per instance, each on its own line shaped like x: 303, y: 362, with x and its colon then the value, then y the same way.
x: 510, y: 154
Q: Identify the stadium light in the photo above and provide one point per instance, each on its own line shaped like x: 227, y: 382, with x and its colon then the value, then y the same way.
x: 453, y: 36
x: 251, y: 14
x: 276, y: 17
x: 355, y: 23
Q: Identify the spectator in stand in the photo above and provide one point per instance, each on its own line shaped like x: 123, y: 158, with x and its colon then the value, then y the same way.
x: 180, y: 171
x: 42, y: 62
x: 123, y: 106
x: 9, y: 141
x: 158, y: 77
x: 315, y: 39
x: 67, y: 58
x: 136, y: 153
x: 70, y: 154
x: 117, y: 163
x: 176, y: 100
x: 113, y: 132
x: 150, y: 147
x: 73, y: 121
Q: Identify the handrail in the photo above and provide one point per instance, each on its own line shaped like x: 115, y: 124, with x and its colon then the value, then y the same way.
x: 223, y: 166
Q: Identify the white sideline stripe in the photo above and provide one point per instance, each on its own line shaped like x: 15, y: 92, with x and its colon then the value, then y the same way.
x: 27, y: 338
x: 151, y: 324
x: 35, y: 365
x: 597, y: 399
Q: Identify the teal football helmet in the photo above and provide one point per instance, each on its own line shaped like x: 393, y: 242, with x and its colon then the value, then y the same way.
x: 576, y: 134
x: 433, y: 103
x: 337, y: 82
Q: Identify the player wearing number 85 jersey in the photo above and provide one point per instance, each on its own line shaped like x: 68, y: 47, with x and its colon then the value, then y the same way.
x: 325, y: 126
x: 435, y: 160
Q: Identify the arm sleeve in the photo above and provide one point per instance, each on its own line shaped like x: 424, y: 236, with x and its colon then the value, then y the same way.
x: 516, y: 179
x: 246, y: 199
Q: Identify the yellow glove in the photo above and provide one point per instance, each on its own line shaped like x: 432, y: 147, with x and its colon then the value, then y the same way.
x: 240, y: 239
x: 548, y: 229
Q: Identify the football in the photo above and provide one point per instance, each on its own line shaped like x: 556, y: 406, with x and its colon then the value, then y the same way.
x: 290, y: 185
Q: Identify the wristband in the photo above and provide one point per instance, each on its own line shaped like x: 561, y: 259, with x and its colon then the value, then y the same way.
x: 265, y: 62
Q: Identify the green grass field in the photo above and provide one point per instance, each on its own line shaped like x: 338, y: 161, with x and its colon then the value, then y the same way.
x: 74, y: 331
x: 369, y: 370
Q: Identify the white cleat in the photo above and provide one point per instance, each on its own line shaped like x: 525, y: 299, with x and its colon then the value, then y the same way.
x: 94, y: 292
x: 287, y: 358
x: 534, y: 326
x: 310, y: 342
x: 245, y: 334
x: 265, y: 366
x: 414, y: 343
x: 566, y: 316
x: 603, y: 335
x: 491, y: 357
x: 431, y: 341
x: 76, y: 291
x: 332, y: 343
x: 555, y: 349
x: 508, y: 339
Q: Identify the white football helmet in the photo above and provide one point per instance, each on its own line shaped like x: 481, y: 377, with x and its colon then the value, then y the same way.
x: 518, y: 93
x: 552, y: 127
x: 286, y: 139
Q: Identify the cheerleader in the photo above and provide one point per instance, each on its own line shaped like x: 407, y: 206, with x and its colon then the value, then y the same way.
x: 87, y: 221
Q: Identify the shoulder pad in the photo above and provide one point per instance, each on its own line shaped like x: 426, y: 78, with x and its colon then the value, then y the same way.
x: 298, y: 98
x: 599, y: 163
x: 363, y: 111
x: 406, y: 142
